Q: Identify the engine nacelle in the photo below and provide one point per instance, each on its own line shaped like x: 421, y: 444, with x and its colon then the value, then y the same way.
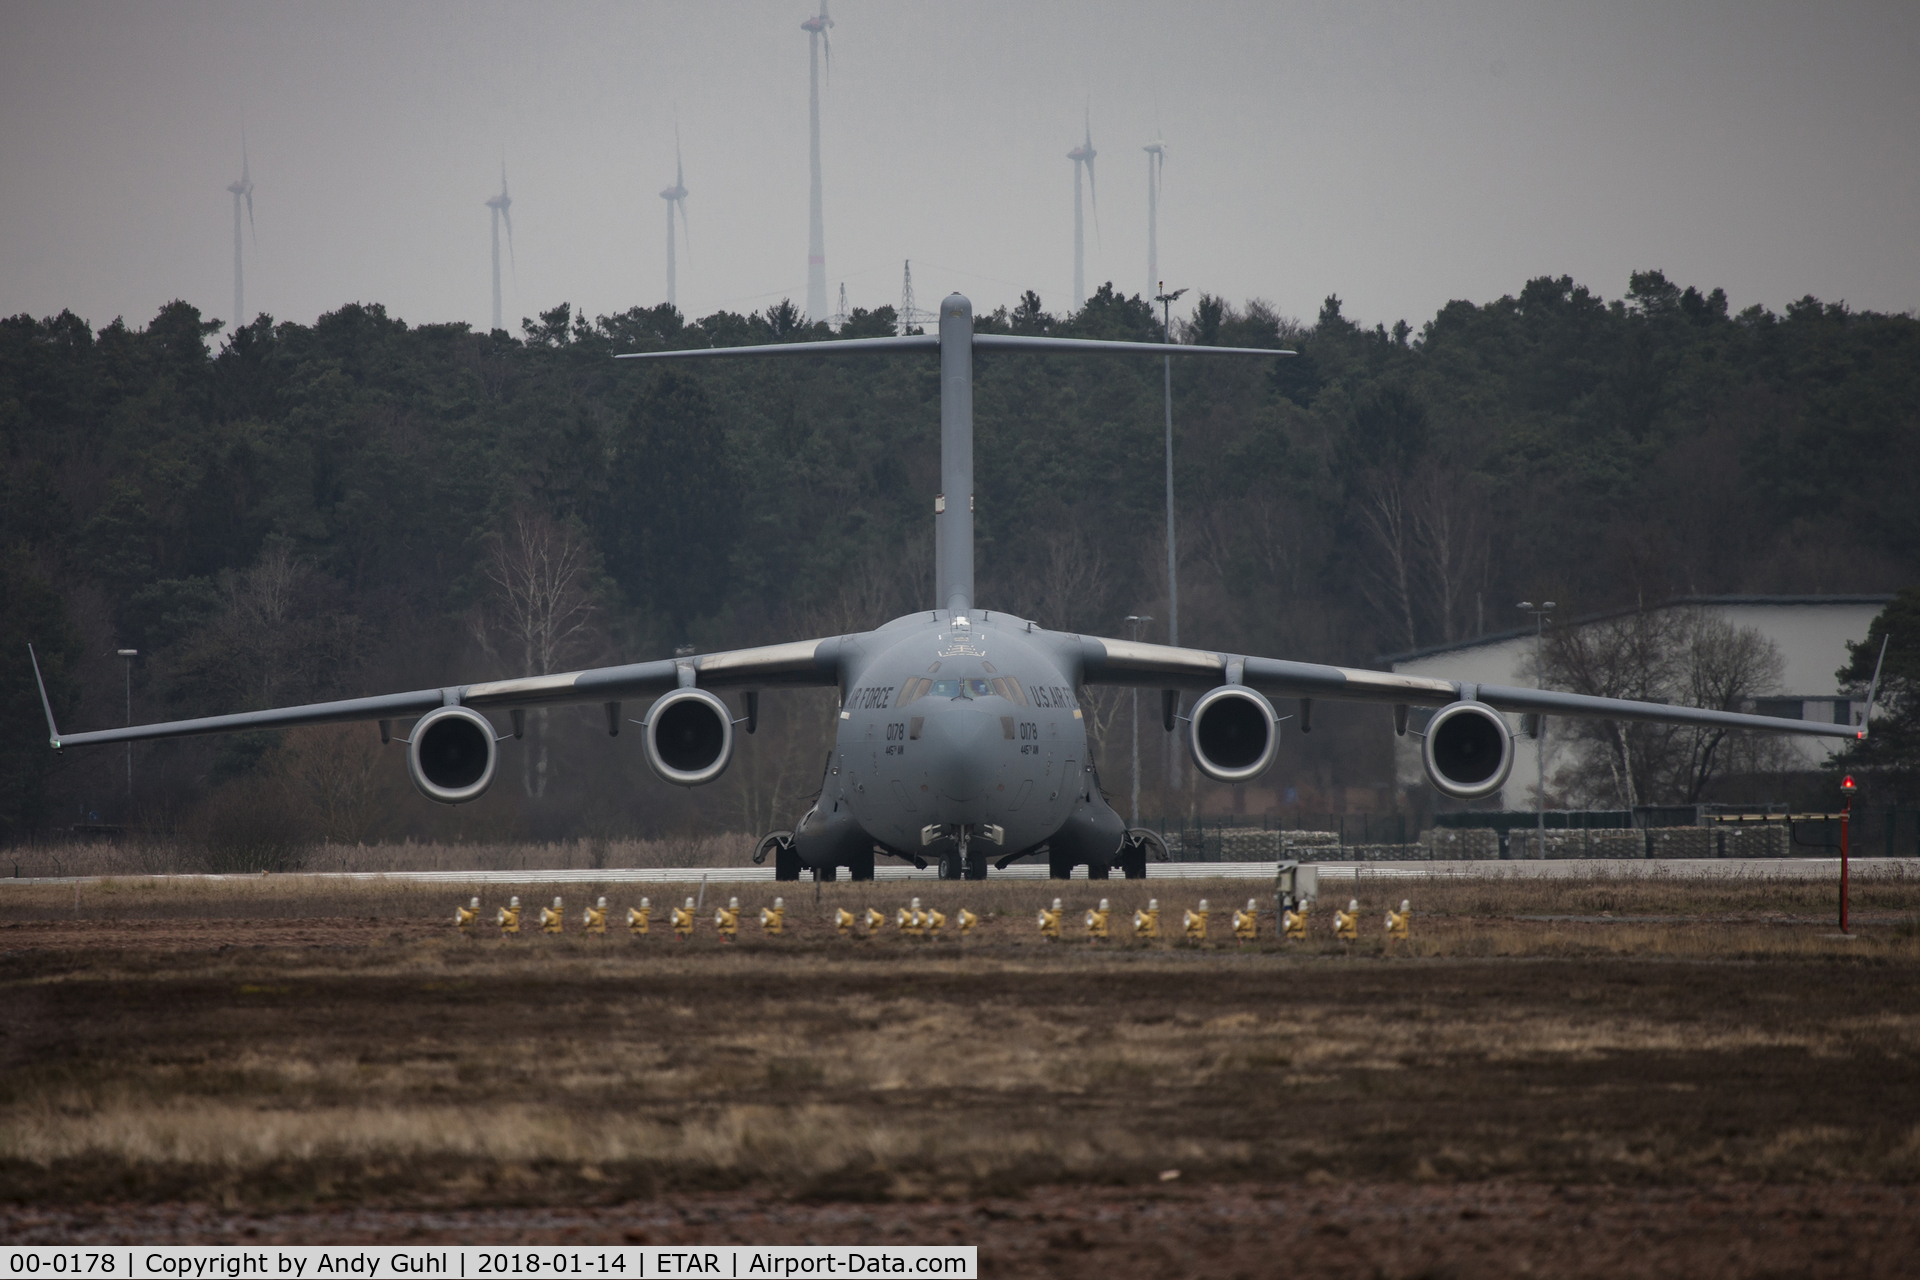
x: 452, y: 755
x: 1233, y: 733
x: 689, y: 737
x: 1468, y: 750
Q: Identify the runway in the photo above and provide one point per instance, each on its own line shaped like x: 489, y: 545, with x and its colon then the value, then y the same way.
x: 1573, y: 868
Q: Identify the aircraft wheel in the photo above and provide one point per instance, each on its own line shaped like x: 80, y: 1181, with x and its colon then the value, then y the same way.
x: 1133, y: 863
x: 828, y: 872
x: 950, y: 865
x: 861, y: 866
x: 1150, y: 845
x: 1059, y: 867
x: 975, y: 867
x: 1098, y: 871
x: 786, y: 863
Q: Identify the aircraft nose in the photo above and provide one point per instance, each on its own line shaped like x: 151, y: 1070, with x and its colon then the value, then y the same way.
x: 959, y: 743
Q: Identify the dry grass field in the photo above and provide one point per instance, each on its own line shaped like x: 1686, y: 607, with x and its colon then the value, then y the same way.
x: 1642, y: 1074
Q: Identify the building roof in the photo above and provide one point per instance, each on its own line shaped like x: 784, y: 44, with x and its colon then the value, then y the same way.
x: 1515, y: 633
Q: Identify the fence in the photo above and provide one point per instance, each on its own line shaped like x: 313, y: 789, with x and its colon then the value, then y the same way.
x: 1887, y: 832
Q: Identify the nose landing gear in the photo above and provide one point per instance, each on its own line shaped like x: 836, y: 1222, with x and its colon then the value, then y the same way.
x: 965, y: 860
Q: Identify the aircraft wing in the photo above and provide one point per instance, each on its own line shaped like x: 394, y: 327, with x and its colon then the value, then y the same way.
x: 802, y: 663
x: 1128, y: 662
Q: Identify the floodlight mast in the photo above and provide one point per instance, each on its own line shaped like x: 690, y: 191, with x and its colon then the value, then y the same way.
x: 1166, y: 301
x: 1540, y: 616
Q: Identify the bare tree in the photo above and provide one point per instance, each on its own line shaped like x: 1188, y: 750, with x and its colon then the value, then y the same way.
x: 333, y: 774
x: 1632, y: 656
x: 540, y: 612
x: 1389, y: 582
x: 280, y: 636
x: 1450, y: 535
x: 770, y: 784
x: 1726, y: 667
x: 1688, y: 657
x: 1073, y: 578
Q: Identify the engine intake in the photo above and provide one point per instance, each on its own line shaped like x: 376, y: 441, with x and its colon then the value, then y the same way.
x: 1468, y: 750
x: 452, y: 755
x: 1233, y: 734
x: 689, y: 737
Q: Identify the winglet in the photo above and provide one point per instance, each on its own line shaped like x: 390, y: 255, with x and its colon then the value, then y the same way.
x: 1866, y: 717
x: 53, y: 731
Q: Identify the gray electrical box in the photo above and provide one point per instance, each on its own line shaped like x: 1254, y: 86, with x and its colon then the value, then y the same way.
x: 1295, y: 884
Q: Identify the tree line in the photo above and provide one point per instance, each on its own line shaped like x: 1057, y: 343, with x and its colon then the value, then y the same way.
x: 290, y: 512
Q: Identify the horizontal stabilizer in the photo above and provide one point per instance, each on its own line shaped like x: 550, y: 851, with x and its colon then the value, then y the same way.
x: 931, y: 342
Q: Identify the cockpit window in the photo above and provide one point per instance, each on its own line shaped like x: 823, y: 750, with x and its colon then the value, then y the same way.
x: 960, y: 689
x: 1001, y: 686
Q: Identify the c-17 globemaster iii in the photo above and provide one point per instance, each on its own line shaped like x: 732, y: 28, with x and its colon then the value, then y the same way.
x: 960, y: 736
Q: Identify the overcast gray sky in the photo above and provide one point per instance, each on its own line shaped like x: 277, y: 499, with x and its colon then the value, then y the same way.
x: 1400, y: 155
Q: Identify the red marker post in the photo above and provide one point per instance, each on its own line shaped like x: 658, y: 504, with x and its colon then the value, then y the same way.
x: 1846, y: 789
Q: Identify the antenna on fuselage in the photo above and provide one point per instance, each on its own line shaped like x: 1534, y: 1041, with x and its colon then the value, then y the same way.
x: 956, y: 342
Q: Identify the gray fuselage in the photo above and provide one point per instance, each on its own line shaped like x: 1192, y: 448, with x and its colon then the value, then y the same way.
x: 958, y: 725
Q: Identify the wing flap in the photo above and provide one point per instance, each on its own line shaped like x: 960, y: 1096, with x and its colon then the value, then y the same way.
x: 800, y: 663
x: 1128, y: 662
x: 391, y: 706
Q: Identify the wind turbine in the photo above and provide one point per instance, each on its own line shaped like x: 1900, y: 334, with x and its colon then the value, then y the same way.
x: 500, y: 204
x: 1083, y: 155
x: 1156, y: 175
x: 242, y: 190
x: 816, y: 29
x: 676, y: 197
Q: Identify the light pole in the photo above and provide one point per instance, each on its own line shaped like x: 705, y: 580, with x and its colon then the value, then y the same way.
x: 1540, y: 720
x: 1136, y: 621
x: 130, y: 655
x: 1166, y: 301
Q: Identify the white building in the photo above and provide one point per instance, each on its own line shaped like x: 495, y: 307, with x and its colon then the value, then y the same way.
x: 1811, y: 633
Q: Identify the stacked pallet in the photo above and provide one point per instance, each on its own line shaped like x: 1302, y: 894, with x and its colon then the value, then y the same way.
x: 1464, y: 844
x: 1246, y: 844
x: 1680, y: 842
x: 1754, y: 840
x: 1373, y: 853
x: 1610, y: 842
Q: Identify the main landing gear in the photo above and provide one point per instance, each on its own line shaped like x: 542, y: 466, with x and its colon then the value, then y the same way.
x: 1139, y: 845
x: 786, y: 863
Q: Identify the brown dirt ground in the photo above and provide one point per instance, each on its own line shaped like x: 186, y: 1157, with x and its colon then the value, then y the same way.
x: 1730, y: 1092
x: 1353, y: 1229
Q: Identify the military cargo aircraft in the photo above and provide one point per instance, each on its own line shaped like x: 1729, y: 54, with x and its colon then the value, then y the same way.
x: 960, y: 736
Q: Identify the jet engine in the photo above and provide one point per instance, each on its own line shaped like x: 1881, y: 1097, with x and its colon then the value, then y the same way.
x: 1233, y: 733
x: 451, y: 755
x: 689, y: 736
x: 1468, y: 750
